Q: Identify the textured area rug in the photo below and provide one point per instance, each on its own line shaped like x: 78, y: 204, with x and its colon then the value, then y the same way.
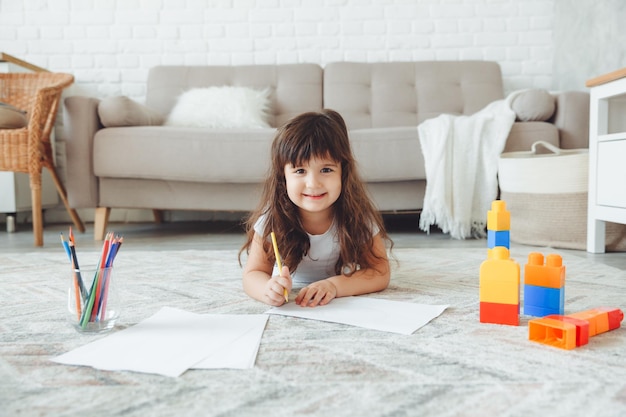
x: 454, y: 366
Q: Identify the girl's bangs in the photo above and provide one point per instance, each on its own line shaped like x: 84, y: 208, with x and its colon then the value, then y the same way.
x: 306, y: 147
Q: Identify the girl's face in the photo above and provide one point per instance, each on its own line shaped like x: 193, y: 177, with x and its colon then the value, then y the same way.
x: 314, y: 186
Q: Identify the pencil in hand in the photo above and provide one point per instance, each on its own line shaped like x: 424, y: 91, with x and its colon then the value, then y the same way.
x: 279, y: 263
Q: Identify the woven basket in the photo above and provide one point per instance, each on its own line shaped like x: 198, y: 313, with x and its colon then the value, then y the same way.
x: 546, y: 195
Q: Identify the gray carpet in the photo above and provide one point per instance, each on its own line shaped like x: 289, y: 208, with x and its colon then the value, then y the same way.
x: 453, y: 366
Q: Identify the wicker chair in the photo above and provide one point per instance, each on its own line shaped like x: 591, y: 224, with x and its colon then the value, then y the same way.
x: 28, y: 150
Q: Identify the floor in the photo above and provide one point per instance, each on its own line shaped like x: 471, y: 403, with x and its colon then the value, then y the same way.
x: 229, y: 235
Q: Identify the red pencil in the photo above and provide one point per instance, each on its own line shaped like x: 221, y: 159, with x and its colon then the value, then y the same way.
x: 99, y: 276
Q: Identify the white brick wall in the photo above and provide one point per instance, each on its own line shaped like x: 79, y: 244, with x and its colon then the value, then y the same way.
x: 110, y: 45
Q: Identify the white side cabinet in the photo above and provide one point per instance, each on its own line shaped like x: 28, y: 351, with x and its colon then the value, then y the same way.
x: 607, y: 156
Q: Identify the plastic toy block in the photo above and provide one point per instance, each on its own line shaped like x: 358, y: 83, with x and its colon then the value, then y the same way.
x: 551, y: 274
x: 557, y: 333
x: 497, y: 313
x: 498, y: 238
x: 543, y: 300
x: 615, y: 316
x: 499, y: 278
x: 498, y: 218
x: 536, y: 311
x: 555, y: 330
x: 582, y: 328
x: 601, y: 319
x: 597, y: 323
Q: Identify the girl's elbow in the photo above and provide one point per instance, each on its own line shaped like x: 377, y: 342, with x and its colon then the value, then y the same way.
x: 385, y: 280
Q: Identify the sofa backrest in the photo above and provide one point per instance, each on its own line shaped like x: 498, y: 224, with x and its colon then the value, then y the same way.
x: 406, y: 93
x: 295, y: 88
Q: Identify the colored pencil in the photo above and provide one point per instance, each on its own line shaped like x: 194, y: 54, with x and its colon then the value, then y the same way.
x: 279, y: 263
x: 77, y: 295
x: 99, y: 276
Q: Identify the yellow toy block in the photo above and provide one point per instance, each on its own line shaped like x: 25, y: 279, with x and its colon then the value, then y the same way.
x: 498, y: 218
x: 550, y: 275
x: 499, y: 278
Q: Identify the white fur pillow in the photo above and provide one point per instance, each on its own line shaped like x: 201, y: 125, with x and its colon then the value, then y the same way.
x: 221, y: 107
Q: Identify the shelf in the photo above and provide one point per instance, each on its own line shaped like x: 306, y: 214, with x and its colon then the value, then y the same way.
x: 607, y: 151
x: 611, y: 137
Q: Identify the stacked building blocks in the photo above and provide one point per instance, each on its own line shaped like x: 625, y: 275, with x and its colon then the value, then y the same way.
x: 499, y: 288
x: 544, y: 285
x: 498, y: 225
x: 574, y: 330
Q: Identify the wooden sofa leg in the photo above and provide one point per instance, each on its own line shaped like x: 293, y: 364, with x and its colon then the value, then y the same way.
x: 158, y: 216
x: 101, y: 221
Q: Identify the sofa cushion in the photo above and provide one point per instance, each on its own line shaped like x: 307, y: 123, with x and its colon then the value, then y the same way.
x: 393, y: 94
x: 294, y: 88
x: 12, y: 117
x: 183, y: 154
x: 121, y: 111
x: 221, y: 107
x: 388, y: 154
x: 535, y: 105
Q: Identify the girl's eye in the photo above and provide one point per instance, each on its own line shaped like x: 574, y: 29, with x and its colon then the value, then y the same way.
x: 327, y: 170
x: 299, y: 171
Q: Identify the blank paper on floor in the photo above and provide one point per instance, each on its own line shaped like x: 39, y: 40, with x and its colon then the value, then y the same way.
x: 371, y: 313
x: 172, y: 341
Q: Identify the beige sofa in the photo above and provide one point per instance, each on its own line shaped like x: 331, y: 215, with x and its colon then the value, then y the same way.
x: 182, y: 168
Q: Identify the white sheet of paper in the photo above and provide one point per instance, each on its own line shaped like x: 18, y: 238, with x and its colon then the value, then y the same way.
x: 170, y: 342
x: 371, y: 313
x: 241, y: 354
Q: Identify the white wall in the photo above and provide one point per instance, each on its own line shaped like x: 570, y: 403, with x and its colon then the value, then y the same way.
x: 590, y: 40
x: 109, y: 45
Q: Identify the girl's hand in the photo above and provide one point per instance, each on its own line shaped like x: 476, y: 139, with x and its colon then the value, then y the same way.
x: 276, y: 286
x: 318, y: 293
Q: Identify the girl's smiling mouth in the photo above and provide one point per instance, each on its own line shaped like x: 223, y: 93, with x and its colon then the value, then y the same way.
x: 315, y: 196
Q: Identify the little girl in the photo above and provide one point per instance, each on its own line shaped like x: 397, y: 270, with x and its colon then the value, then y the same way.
x: 330, y: 236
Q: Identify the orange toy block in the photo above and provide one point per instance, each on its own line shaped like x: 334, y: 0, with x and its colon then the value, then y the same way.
x: 601, y: 319
x: 551, y: 274
x: 598, y: 321
x: 499, y: 278
x: 557, y: 333
x: 582, y: 327
x: 498, y: 218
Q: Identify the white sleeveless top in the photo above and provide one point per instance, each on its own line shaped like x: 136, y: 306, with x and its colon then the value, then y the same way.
x: 319, y: 263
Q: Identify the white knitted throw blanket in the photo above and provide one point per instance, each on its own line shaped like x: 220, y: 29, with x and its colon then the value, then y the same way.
x: 461, y: 160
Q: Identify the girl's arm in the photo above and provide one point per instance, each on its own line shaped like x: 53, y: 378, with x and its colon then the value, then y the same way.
x: 257, y: 280
x: 363, y: 281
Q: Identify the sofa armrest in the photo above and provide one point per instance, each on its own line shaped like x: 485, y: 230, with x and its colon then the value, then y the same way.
x: 572, y: 119
x: 81, y: 124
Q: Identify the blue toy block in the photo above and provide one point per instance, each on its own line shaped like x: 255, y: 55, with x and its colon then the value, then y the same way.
x: 536, y: 311
x: 498, y: 238
x: 543, y: 300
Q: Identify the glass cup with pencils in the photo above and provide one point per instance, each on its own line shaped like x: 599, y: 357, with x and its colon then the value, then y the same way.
x: 93, y: 302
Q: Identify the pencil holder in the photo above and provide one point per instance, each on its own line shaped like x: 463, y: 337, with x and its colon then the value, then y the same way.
x: 93, y: 302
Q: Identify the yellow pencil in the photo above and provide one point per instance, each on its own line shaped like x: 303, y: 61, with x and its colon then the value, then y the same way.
x: 279, y: 263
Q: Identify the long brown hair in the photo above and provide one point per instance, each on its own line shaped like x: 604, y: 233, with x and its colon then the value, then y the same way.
x: 307, y: 136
